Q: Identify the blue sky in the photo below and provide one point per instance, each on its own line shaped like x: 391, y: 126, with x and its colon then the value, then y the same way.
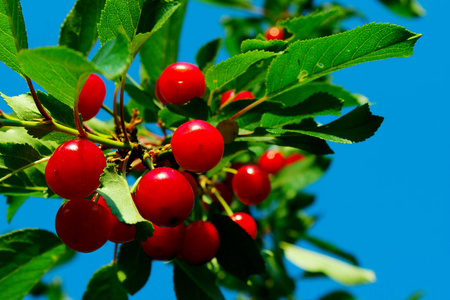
x: 385, y: 200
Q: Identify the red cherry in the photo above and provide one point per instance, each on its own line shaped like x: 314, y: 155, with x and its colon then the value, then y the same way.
x: 91, y: 97
x: 294, y: 157
x: 197, y: 146
x: 246, y: 222
x: 164, y: 197
x: 225, y: 96
x: 181, y: 82
x: 271, y: 161
x: 225, y: 191
x: 165, y: 244
x: 251, y: 185
x: 230, y: 94
x: 274, y: 33
x: 83, y: 225
x: 73, y: 171
x: 191, y: 181
x: 244, y: 95
x: 158, y: 93
x: 200, y: 243
x: 120, y: 232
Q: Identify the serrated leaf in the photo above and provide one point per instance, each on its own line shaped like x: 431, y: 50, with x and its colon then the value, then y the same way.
x: 113, y: 58
x: 114, y: 189
x: 408, y: 8
x: 207, y: 54
x: 23, y: 106
x: 161, y: 48
x: 255, y: 44
x: 224, y: 72
x: 134, y: 266
x: 194, y: 282
x: 79, y: 30
x: 317, y: 105
x: 59, y: 111
x: 356, y: 126
x: 25, y: 256
x: 59, y: 70
x: 13, y: 36
x: 307, y: 60
x: 14, y: 203
x: 105, y: 285
x: 337, y: 270
x: 238, y: 253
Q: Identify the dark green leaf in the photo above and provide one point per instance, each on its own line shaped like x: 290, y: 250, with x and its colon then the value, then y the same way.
x: 207, y: 54
x: 13, y: 36
x: 231, y: 3
x: 195, y: 281
x: 134, y: 266
x: 14, y: 203
x: 79, y: 30
x: 238, y: 30
x: 307, y: 60
x: 25, y: 256
x: 195, y: 109
x: 52, y: 290
x: 105, y: 285
x: 59, y: 70
x: 272, y: 46
x: 113, y: 58
x: 408, y: 8
x: 338, y: 295
x: 417, y: 295
x: 238, y: 253
x: 331, y: 248
x: 59, y: 111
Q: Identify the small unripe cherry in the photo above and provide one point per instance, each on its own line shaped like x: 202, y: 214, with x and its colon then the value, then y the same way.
x: 83, y: 225
x: 91, y: 97
x: 200, y: 243
x: 274, y: 33
x: 251, y: 185
x: 73, y: 171
x: 164, y: 197
x: 197, y: 146
x: 271, y: 161
x: 181, y: 82
x: 294, y: 157
x: 246, y: 222
x: 165, y: 243
x: 120, y: 232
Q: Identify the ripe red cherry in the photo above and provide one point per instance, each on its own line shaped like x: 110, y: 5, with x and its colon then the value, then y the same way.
x: 73, y: 171
x: 230, y: 94
x: 197, y: 146
x: 181, y: 82
x: 191, y: 181
x: 200, y: 243
x: 164, y: 197
x: 120, y: 232
x: 83, y: 225
x: 294, y: 157
x: 91, y: 97
x: 251, y: 185
x: 271, y: 161
x: 165, y: 244
x: 246, y: 222
x: 274, y: 33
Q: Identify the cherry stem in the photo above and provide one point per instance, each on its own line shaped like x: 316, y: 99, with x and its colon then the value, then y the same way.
x: 116, y: 118
x: 97, y: 196
x: 108, y: 110
x: 247, y: 108
x: 116, y: 246
x: 76, y: 114
x: 230, y: 170
x: 211, y: 95
x: 24, y: 168
x: 36, y: 99
x: 222, y: 201
x: 122, y: 117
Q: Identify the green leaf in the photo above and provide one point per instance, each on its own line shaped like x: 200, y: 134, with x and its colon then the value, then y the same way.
x: 114, y: 189
x: 338, y: 295
x: 14, y: 203
x: 316, y: 105
x: 273, y: 45
x: 238, y: 253
x: 161, y: 48
x: 207, y: 54
x: 417, y: 295
x: 52, y: 290
x: 105, y: 285
x: 134, y: 266
x: 171, y: 119
x: 195, y: 282
x: 195, y: 109
x: 307, y: 60
x: 231, y: 3
x: 228, y: 70
x: 356, y: 126
x: 13, y: 36
x: 79, y: 30
x: 326, y: 246
x: 238, y: 30
x: 59, y: 111
x: 25, y: 256
x: 23, y: 106
x: 337, y: 270
x: 59, y: 70
x: 113, y: 58
x: 405, y: 8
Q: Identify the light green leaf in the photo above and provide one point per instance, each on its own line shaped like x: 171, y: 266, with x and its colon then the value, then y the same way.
x: 207, y: 54
x: 25, y: 256
x: 228, y: 70
x: 105, y: 284
x: 337, y: 270
x: 405, y: 8
x: 59, y: 70
x: 13, y: 36
x: 307, y: 60
x: 23, y: 106
x: 79, y: 30
x: 14, y: 203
